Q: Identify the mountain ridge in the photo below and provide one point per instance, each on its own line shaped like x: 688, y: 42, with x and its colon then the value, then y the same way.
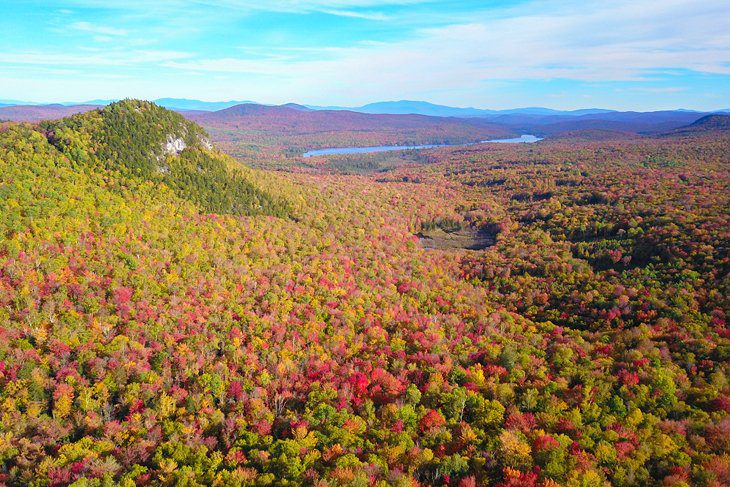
x: 532, y: 120
x: 432, y: 109
x: 708, y: 123
x: 418, y: 107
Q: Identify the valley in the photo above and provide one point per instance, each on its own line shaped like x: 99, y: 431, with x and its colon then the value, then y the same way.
x: 492, y: 314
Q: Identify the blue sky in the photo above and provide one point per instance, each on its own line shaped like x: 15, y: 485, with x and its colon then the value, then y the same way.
x: 565, y: 54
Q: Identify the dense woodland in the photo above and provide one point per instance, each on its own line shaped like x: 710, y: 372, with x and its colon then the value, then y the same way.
x: 180, y: 319
x: 138, y: 139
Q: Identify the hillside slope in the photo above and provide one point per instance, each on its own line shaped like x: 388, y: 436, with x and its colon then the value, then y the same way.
x: 710, y: 122
x: 143, y: 140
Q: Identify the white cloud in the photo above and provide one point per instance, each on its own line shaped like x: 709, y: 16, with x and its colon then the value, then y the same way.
x: 667, y: 89
x: 98, y: 58
x: 623, y: 40
x: 98, y: 29
x: 356, y: 14
x: 336, y: 7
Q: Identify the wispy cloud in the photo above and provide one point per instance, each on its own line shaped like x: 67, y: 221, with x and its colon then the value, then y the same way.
x: 292, y: 6
x: 106, y: 58
x: 98, y: 29
x: 667, y: 89
x: 620, y: 41
x: 356, y: 14
x: 327, y: 50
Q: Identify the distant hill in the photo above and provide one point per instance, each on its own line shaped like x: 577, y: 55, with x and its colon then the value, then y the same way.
x: 629, y: 122
x: 296, y: 106
x: 36, y: 113
x: 713, y: 122
x: 294, y: 118
x: 251, y: 130
x: 94, y: 102
x: 708, y: 123
x: 243, y: 109
x: 420, y: 108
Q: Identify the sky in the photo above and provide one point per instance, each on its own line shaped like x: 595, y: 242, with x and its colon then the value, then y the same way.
x: 564, y: 54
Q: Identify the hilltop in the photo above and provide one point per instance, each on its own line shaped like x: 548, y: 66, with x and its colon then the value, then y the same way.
x: 711, y: 122
x: 142, y: 140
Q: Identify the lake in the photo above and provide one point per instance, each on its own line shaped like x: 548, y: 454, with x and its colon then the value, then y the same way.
x: 523, y: 139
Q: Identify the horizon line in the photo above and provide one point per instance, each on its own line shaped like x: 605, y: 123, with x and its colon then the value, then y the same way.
x: 103, y: 102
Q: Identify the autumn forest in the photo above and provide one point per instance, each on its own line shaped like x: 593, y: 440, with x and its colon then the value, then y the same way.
x: 548, y: 314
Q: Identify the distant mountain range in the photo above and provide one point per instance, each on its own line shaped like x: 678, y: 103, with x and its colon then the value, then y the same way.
x: 619, y: 122
x: 543, y: 122
x: 179, y: 104
x: 297, y: 120
x: 402, y: 107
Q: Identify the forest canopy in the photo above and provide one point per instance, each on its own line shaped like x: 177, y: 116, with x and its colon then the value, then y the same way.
x: 169, y: 316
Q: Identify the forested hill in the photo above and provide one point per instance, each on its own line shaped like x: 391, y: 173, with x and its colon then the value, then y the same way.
x: 712, y: 122
x: 142, y: 140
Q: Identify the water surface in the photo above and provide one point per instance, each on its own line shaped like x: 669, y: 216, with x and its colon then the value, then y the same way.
x: 523, y: 139
x: 365, y: 150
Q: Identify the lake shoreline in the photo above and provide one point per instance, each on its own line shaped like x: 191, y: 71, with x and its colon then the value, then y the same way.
x: 523, y: 139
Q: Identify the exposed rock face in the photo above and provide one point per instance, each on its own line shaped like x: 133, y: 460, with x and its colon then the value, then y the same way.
x: 174, y: 145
